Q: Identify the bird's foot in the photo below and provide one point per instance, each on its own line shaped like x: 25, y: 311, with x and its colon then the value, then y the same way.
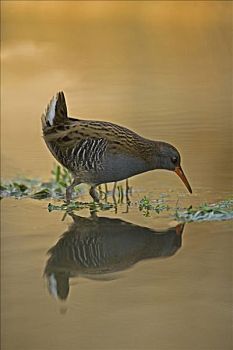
x: 68, y: 197
x: 69, y: 191
x: 94, y: 194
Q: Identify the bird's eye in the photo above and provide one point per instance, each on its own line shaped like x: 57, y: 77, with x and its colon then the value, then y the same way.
x: 174, y: 160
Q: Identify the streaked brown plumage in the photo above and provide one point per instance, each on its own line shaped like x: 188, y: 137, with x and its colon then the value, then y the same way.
x: 97, y: 152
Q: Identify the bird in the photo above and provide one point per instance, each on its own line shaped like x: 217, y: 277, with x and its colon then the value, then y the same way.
x: 99, y: 247
x: 99, y: 152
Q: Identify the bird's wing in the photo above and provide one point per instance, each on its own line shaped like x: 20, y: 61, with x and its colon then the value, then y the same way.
x: 76, y: 146
x: 117, y: 138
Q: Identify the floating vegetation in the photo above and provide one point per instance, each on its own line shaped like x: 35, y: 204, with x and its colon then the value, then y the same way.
x: 45, y: 193
x: 55, y: 188
x: 222, y: 210
x: 36, y: 189
x: 14, y: 189
x: 208, y: 212
x: 80, y: 205
x: 146, y: 206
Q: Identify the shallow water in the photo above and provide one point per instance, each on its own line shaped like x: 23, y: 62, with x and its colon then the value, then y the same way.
x: 131, y: 282
x: 133, y: 288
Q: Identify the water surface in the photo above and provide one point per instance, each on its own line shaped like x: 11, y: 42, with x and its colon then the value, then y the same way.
x: 162, y: 69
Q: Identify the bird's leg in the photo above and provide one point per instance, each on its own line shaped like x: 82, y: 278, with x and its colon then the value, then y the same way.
x: 100, y: 190
x: 106, y: 188
x: 103, y: 194
x: 94, y: 194
x: 69, y: 190
x: 127, y: 191
x: 106, y: 192
x: 114, y: 192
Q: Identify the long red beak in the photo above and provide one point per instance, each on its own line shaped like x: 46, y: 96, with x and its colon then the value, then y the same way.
x: 180, y: 173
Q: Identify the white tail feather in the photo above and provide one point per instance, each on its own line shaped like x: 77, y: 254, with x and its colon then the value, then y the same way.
x: 49, y: 114
x: 56, y: 112
x: 51, y: 109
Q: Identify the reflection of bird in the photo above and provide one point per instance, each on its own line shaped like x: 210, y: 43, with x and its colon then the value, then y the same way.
x: 97, y: 152
x: 99, y: 246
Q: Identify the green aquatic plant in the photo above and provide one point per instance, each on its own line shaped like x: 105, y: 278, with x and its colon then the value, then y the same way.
x: 36, y: 189
x: 147, y: 206
x: 44, y: 193
x: 14, y: 189
x: 222, y: 210
x: 61, y: 176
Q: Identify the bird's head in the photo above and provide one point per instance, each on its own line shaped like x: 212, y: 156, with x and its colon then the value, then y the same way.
x: 167, y: 157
